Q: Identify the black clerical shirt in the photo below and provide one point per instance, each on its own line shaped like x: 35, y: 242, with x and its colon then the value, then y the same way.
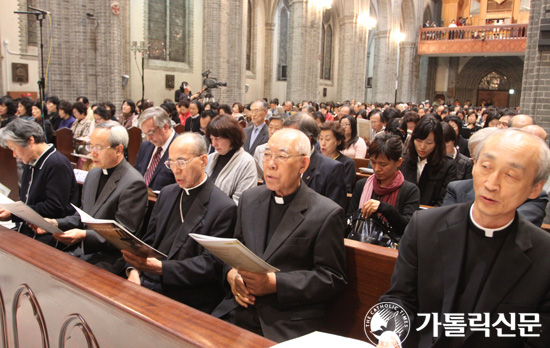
x: 105, y: 175
x: 277, y: 209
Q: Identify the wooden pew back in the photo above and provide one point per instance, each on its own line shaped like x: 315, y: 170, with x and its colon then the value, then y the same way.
x: 134, y: 134
x: 76, y: 302
x: 369, y: 270
x: 8, y: 174
x: 64, y: 143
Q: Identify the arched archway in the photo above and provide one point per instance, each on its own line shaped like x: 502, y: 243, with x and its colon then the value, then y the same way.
x: 467, y: 82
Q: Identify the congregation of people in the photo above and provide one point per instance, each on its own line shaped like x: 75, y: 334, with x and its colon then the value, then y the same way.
x: 282, y: 178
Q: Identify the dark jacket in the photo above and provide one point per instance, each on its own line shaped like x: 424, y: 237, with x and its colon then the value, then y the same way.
x: 462, y: 146
x: 262, y: 138
x: 349, y: 171
x: 162, y: 176
x: 463, y: 167
x: 408, y: 201
x: 433, y: 181
x: 462, y: 191
x: 193, y: 124
x: 51, y: 187
x: 324, y: 176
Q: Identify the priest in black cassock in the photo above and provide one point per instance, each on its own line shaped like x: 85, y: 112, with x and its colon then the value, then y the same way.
x: 481, y: 261
x: 192, y: 205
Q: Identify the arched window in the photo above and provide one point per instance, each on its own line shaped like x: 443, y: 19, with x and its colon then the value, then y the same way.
x: 167, y: 30
x: 284, y: 39
x: 250, y: 25
x: 326, y: 46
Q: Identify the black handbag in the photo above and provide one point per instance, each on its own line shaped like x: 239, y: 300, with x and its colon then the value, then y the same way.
x: 371, y: 230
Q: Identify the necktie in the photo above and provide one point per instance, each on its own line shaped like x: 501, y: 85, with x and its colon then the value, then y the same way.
x: 154, y: 162
x: 254, y: 135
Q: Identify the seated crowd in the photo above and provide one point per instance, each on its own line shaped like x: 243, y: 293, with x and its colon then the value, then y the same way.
x: 277, y: 177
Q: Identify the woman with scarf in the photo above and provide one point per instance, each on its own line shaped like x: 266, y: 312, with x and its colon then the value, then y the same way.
x: 386, y: 192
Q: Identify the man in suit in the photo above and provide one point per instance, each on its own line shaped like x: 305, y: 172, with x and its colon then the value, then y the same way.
x: 482, y: 258
x: 324, y: 175
x: 294, y: 229
x: 155, y: 123
x: 193, y: 205
x: 256, y: 134
x: 113, y: 190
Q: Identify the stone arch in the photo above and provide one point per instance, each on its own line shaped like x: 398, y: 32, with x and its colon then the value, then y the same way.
x: 427, y: 14
x: 408, y: 18
x: 477, y: 68
x: 384, y: 19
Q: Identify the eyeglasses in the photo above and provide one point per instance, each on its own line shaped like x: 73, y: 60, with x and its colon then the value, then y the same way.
x: 255, y: 111
x: 179, y: 163
x: 97, y: 148
x: 278, y: 157
x: 152, y: 132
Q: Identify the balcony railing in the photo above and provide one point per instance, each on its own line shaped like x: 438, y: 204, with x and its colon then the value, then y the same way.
x: 470, y: 40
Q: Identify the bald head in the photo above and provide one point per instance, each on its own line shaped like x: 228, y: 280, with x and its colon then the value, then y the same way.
x: 537, y: 131
x: 520, y: 121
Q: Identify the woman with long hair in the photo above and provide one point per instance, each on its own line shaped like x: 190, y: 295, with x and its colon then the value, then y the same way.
x: 426, y: 163
x: 354, y: 146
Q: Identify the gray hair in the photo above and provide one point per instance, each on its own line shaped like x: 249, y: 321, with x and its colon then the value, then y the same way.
x: 260, y: 102
x: 159, y: 115
x: 306, y: 124
x: 199, y: 144
x: 118, y: 134
x: 303, y: 146
x: 19, y: 132
x: 478, y: 137
x: 543, y: 170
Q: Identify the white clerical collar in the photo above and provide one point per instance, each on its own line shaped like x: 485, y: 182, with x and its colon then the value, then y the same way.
x: 188, y: 190
x: 488, y: 231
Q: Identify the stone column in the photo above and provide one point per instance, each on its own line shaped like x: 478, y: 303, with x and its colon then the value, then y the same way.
x: 384, y: 68
x: 408, y: 72
x: 353, y: 59
x: 224, y: 47
x: 304, y: 50
x: 451, y: 79
x: 269, y: 32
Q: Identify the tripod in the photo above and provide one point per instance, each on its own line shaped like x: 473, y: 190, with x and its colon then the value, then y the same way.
x: 40, y: 16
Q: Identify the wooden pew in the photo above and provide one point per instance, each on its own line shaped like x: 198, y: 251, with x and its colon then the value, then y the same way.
x: 369, y: 270
x: 8, y: 174
x: 180, y: 128
x: 78, y: 304
x: 134, y: 134
x: 64, y: 143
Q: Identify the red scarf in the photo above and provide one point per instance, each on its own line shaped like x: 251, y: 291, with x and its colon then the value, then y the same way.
x: 387, y: 194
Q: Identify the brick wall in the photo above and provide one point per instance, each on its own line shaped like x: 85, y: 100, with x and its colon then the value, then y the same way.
x: 535, y: 97
x: 88, y: 56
